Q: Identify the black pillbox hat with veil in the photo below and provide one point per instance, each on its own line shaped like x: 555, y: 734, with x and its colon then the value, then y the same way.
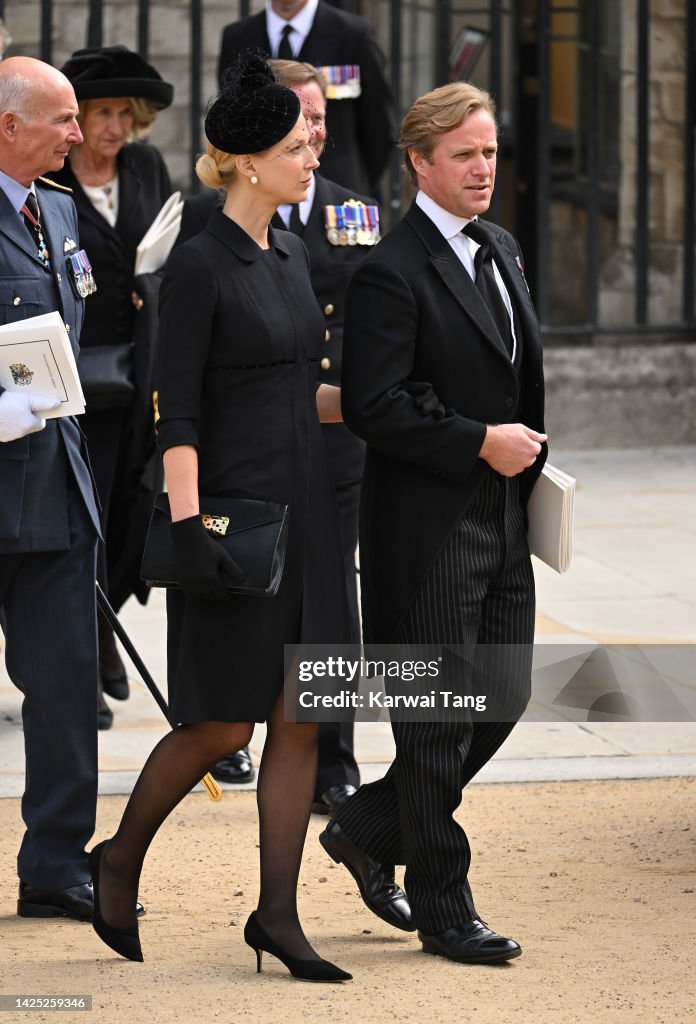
x: 252, y: 111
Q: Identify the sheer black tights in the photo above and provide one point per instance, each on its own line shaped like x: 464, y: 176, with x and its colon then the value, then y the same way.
x: 284, y: 796
x: 285, y: 790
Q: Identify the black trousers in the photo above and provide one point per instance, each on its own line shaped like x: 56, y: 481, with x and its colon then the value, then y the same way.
x: 336, y: 764
x: 48, y: 616
x: 105, y: 432
x: 480, y: 591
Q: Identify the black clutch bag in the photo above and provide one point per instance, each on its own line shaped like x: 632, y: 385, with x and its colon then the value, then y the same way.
x: 254, y: 532
x: 106, y: 375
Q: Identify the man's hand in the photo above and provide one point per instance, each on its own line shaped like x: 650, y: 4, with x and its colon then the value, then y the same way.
x: 17, y: 414
x: 509, y: 448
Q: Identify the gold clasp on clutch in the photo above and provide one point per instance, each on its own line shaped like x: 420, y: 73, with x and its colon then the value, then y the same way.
x: 216, y: 524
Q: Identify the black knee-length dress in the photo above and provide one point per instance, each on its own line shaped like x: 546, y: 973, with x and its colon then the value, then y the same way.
x: 239, y: 346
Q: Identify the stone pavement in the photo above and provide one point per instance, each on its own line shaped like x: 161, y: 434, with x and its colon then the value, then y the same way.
x: 633, y: 581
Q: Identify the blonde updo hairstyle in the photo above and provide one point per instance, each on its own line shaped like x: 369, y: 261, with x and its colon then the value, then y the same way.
x: 215, y: 168
x: 250, y: 114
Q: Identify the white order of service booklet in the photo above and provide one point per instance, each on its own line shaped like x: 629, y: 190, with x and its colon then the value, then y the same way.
x: 36, y: 358
x: 550, y: 512
x: 157, y: 242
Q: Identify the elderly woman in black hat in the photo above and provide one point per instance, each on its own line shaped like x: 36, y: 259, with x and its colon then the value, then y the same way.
x: 119, y: 185
x: 240, y: 342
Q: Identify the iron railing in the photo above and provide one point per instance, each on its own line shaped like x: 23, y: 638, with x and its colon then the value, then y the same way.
x: 537, y: 164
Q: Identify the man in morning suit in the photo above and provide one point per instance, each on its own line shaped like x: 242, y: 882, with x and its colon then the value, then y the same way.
x: 331, y: 267
x: 49, y: 523
x: 359, y: 111
x: 442, y: 376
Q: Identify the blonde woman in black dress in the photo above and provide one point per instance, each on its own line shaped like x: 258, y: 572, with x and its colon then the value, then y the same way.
x: 240, y: 340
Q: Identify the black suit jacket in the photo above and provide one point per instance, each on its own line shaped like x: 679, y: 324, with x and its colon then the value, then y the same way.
x: 360, y: 131
x: 34, y: 470
x: 415, y: 320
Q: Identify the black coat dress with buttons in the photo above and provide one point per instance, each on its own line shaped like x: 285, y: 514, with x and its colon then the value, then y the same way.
x: 240, y: 341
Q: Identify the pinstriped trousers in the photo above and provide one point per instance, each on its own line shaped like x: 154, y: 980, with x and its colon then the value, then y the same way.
x: 480, y: 591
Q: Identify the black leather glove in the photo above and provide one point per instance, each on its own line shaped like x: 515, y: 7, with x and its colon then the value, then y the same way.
x: 206, y: 570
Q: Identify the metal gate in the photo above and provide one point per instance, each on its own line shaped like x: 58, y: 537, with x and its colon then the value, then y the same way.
x: 578, y: 176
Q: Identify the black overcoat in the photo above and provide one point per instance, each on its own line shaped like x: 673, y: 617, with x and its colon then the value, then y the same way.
x: 360, y: 130
x: 414, y: 315
x: 144, y: 185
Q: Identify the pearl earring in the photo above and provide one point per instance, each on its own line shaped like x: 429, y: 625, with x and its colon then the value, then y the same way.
x: 254, y: 180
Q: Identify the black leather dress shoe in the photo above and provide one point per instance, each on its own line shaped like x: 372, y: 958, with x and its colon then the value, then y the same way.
x: 234, y: 767
x: 117, y: 686
x: 76, y: 902
x: 470, y: 943
x: 376, y: 884
x: 332, y: 799
x: 111, y: 668
x: 115, y: 683
x: 105, y: 716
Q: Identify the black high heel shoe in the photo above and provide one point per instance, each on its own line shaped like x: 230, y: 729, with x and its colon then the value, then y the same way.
x: 305, y: 970
x: 124, y: 941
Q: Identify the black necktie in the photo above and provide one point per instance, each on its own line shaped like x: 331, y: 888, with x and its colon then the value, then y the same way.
x: 487, y: 284
x: 296, y: 224
x: 32, y: 220
x: 285, y: 49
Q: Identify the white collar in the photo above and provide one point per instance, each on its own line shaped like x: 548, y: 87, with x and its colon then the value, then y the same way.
x: 304, y: 208
x: 448, y: 224
x: 302, y: 22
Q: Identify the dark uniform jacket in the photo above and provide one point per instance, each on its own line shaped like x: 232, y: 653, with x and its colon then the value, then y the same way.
x: 360, y: 130
x: 34, y: 470
x: 417, y: 326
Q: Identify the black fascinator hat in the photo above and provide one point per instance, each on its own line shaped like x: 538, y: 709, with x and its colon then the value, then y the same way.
x: 253, y: 111
x: 100, y: 72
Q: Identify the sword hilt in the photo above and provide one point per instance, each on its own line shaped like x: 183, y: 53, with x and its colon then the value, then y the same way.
x: 214, y: 791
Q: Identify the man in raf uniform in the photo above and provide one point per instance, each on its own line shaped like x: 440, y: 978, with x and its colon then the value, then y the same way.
x: 49, y: 522
x: 339, y: 228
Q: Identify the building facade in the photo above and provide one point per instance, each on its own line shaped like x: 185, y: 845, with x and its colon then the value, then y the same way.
x: 597, y: 109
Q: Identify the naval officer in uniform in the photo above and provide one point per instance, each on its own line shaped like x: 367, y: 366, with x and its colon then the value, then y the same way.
x: 49, y: 523
x: 344, y: 46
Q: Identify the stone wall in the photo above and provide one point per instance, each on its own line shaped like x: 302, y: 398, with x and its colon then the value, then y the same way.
x: 667, y: 58
x: 621, y: 396
x: 603, y: 395
x: 170, y: 52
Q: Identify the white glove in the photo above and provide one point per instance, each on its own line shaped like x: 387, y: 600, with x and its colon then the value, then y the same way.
x: 17, y: 414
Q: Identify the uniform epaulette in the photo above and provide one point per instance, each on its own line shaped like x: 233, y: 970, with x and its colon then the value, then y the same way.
x: 54, y: 184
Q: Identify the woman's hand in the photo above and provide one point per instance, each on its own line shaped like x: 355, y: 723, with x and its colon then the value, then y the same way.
x: 329, y: 404
x: 206, y: 570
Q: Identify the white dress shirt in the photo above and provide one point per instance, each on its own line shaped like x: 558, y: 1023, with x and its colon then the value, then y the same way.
x: 301, y: 25
x: 104, y: 199
x: 450, y: 227
x: 304, y: 208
